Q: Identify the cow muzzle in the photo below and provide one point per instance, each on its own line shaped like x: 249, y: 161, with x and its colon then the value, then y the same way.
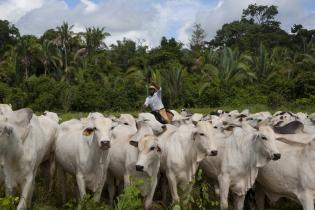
x: 213, y: 153
x: 105, y: 145
x: 276, y: 156
x: 139, y: 168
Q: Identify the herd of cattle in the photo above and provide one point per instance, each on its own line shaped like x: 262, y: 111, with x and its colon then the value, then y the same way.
x: 237, y: 151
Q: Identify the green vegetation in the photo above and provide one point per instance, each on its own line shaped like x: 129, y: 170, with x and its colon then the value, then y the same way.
x: 250, y: 61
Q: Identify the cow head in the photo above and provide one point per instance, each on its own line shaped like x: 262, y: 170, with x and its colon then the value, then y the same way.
x: 125, y: 120
x: 16, y: 125
x: 266, y: 149
x: 204, y: 140
x: 149, y: 152
x: 150, y: 120
x: 99, y: 130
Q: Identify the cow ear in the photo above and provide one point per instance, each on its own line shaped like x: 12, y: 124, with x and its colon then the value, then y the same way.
x: 158, y: 148
x: 88, y: 134
x: 88, y: 131
x: 134, y: 143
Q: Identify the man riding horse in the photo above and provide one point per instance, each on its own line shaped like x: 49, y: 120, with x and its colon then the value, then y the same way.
x: 154, y: 101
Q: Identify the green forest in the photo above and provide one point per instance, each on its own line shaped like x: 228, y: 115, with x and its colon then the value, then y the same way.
x: 249, y: 61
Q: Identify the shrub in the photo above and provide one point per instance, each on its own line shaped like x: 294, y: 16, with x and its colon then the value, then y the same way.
x: 87, y: 203
x: 275, y: 100
x: 129, y: 199
x: 8, y: 203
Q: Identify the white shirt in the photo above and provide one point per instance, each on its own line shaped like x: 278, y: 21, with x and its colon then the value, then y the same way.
x: 155, y: 101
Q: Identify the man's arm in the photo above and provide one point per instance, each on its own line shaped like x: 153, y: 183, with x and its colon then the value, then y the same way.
x: 145, y: 105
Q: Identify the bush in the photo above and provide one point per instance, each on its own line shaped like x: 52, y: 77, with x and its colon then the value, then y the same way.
x: 8, y: 203
x: 305, y: 102
x: 87, y: 203
x: 129, y: 199
x: 246, y: 96
x: 275, y: 100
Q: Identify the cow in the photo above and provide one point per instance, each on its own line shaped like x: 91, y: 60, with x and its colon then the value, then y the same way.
x: 23, y: 146
x: 185, y: 112
x: 49, y: 125
x: 292, y: 176
x: 241, y: 154
x: 290, y: 128
x: 124, y: 154
x: 148, y: 163
x: 5, y: 108
x: 52, y: 116
x: 312, y: 117
x: 183, y: 148
x: 94, y: 115
x: 81, y: 149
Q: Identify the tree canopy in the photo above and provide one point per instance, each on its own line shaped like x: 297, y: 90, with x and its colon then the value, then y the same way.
x: 249, y: 61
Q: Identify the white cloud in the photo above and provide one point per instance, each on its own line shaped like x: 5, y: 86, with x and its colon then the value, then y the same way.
x: 143, y: 19
x: 90, y: 6
x: 15, y: 9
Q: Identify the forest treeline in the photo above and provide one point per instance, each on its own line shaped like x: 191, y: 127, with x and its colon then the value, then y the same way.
x: 249, y: 61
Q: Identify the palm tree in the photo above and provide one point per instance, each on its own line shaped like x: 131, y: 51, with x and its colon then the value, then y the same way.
x: 8, y: 65
x: 48, y: 56
x: 229, y: 69
x: 172, y: 81
x: 266, y: 65
x: 26, y: 48
x: 93, y: 39
x: 63, y: 41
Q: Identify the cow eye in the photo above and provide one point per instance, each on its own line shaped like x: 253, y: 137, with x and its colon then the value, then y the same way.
x: 264, y: 138
x: 95, y: 128
x: 126, y: 123
x: 112, y: 128
x: 146, y: 120
x: 201, y: 134
x: 152, y: 148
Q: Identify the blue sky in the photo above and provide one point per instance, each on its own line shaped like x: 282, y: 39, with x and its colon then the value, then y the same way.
x: 145, y: 20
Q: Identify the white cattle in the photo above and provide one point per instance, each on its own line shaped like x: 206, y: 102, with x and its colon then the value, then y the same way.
x: 123, y: 156
x: 52, y: 116
x: 81, y: 149
x: 148, y: 163
x: 94, y: 115
x: 312, y: 117
x: 292, y: 176
x: 196, y: 117
x: 185, y: 113
x: 283, y: 118
x: 5, y: 108
x: 183, y: 148
x: 240, y: 156
x: 23, y: 146
x: 49, y: 126
x: 177, y: 116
